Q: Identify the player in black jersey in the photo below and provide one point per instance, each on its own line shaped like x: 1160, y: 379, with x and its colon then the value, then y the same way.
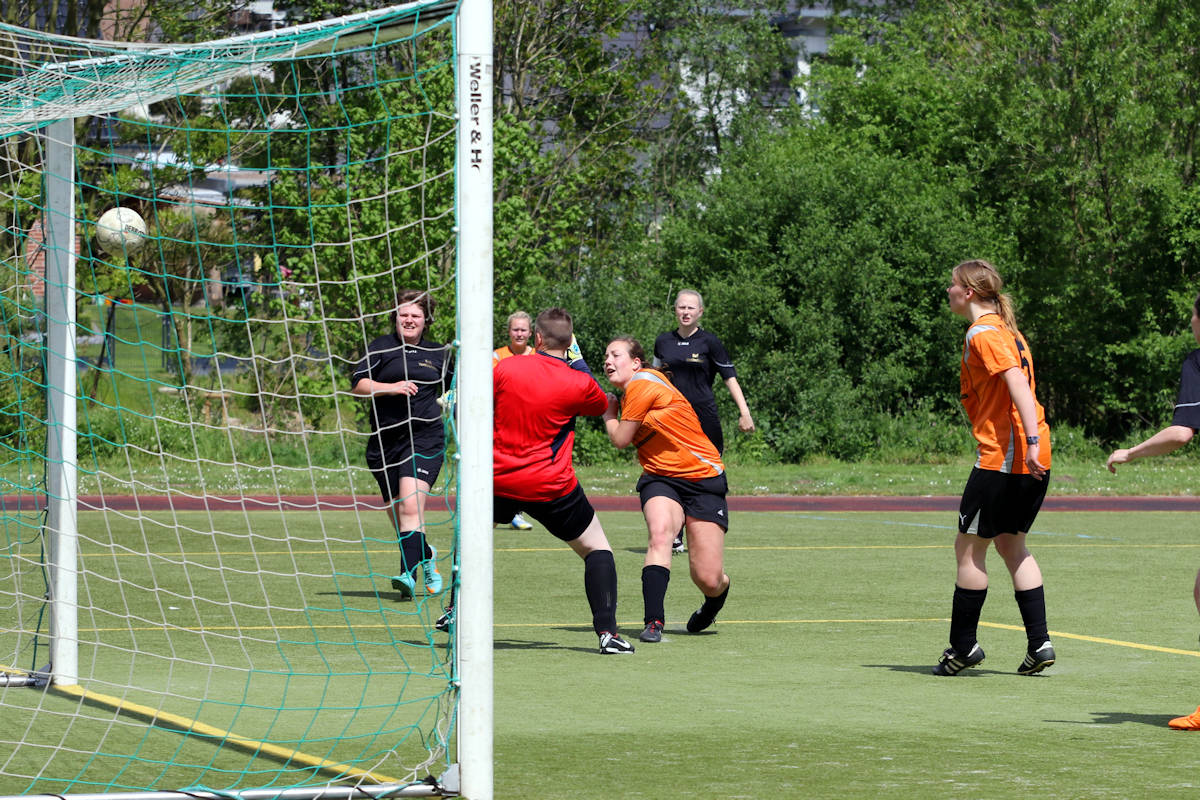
x: 403, y: 374
x: 694, y: 356
x: 1183, y: 427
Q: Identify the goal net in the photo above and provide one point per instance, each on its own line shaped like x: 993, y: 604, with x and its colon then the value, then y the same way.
x: 196, y: 574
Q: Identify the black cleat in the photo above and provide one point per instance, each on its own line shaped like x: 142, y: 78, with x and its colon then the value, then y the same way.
x: 612, y: 643
x: 652, y: 632
x: 951, y: 663
x: 445, y: 620
x: 1037, y: 660
x: 704, y: 616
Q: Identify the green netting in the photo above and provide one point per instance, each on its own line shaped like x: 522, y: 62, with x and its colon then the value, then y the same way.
x: 237, y: 625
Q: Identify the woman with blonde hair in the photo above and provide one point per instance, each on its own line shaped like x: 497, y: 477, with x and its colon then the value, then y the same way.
x: 1005, y: 489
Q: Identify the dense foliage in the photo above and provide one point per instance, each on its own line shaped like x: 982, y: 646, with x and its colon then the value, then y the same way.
x: 643, y: 147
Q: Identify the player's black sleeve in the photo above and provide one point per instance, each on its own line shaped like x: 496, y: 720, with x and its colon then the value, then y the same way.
x: 720, y: 359
x: 1187, y: 405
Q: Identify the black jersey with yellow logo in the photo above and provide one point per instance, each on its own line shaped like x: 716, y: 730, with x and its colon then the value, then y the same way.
x: 693, y: 363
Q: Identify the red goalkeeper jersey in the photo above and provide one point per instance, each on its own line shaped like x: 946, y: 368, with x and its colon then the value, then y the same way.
x: 536, y: 402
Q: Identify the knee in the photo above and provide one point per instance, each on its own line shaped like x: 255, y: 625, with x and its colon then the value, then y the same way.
x: 709, y: 581
x: 661, y: 534
x: 408, y: 507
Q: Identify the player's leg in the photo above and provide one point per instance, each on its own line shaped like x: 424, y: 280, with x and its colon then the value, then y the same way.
x: 1022, y: 501
x: 706, y: 560
x: 1031, y: 600
x: 975, y: 529
x: 664, y: 516
x: 1191, y: 722
x: 408, y: 516
x: 573, y: 520
x: 1196, y: 592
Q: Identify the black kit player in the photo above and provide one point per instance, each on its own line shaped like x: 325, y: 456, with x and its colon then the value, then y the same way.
x: 402, y: 375
x: 694, y: 357
x: 536, y: 401
x: 1183, y: 427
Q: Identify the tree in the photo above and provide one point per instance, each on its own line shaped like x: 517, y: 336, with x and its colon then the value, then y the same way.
x: 1075, y: 124
x: 824, y: 264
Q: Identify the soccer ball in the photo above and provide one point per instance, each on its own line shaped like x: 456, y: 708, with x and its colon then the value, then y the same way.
x: 120, y: 230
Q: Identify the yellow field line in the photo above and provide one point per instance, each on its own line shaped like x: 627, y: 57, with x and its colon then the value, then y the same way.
x: 1100, y: 640
x: 188, y: 725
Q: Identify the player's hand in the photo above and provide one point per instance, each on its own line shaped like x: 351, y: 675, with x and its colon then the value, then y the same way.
x: 1031, y: 461
x: 1117, y: 457
x: 405, y: 387
x: 573, y: 352
x: 745, y: 423
x: 613, y: 405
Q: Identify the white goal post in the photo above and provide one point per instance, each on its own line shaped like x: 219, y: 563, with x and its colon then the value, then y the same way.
x: 28, y: 107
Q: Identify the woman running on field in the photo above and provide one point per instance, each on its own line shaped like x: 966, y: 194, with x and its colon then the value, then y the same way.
x: 683, y: 483
x: 1005, y: 489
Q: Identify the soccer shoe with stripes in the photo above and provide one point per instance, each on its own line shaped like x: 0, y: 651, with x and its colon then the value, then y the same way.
x: 445, y: 620
x: 519, y: 523
x: 613, y: 644
x: 1037, y: 660
x: 1189, y: 723
x: 951, y: 663
x: 433, y: 578
x: 652, y: 632
x: 404, y: 583
x: 677, y: 545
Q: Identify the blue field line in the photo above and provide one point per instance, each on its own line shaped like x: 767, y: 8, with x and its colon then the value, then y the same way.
x: 945, y: 527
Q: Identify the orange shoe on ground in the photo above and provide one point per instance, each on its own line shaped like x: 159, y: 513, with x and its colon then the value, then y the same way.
x: 1189, y: 723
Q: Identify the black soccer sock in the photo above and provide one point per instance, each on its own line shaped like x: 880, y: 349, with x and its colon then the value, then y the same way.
x: 964, y: 618
x: 600, y: 585
x: 1032, y: 603
x: 654, y: 592
x: 712, y: 605
x: 413, y: 549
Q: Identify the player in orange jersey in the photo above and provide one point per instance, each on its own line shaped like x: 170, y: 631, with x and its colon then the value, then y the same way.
x: 683, y: 483
x: 1183, y: 427
x: 520, y: 329
x: 1006, y: 488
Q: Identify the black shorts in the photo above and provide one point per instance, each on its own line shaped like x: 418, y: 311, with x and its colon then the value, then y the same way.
x: 1000, y: 502
x: 703, y: 499
x: 567, y: 517
x: 388, y: 475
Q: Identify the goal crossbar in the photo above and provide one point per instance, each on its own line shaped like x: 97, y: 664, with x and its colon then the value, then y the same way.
x: 133, y: 75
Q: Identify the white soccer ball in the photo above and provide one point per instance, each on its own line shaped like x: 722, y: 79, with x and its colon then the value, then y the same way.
x: 120, y: 230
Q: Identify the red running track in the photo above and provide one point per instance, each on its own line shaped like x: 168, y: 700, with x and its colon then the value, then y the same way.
x: 10, y: 503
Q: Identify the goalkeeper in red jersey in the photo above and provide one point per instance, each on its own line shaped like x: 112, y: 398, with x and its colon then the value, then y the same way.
x: 536, y: 401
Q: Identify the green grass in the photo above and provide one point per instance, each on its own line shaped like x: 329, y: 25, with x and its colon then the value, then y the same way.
x: 814, y: 684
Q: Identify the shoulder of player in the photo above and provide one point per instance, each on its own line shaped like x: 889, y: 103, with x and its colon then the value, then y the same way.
x: 986, y: 328
x: 648, y: 380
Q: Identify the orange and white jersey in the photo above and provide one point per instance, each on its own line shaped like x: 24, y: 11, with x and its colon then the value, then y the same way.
x: 501, y: 353
x: 989, y: 350
x: 670, y: 441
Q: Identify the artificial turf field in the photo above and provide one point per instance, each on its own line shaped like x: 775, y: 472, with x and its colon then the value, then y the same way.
x: 815, y: 680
